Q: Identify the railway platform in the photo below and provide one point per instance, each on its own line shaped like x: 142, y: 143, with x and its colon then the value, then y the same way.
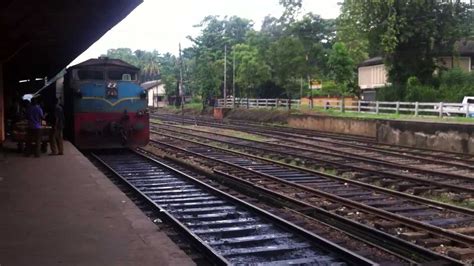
x: 61, y: 210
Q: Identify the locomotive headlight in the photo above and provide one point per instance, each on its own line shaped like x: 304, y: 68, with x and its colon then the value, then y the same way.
x: 143, y: 94
x: 142, y: 112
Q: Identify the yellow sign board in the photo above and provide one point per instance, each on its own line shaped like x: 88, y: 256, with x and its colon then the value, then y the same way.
x: 316, y: 84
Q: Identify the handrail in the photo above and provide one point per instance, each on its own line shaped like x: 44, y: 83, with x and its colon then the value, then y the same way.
x: 414, y: 108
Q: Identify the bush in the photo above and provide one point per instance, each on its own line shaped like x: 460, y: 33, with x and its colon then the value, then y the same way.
x: 455, y: 84
x: 416, y: 92
x: 451, y: 86
x: 330, y: 88
x: 390, y: 93
x: 196, y: 99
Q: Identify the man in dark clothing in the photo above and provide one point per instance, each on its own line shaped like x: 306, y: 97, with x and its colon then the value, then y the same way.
x: 56, y: 137
x: 34, y: 115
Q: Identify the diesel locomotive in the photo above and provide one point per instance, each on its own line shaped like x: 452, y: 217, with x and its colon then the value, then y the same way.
x: 104, y: 105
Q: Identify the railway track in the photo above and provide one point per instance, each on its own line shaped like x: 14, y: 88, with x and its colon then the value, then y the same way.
x: 361, y: 143
x: 397, y: 176
x: 229, y: 230
x: 428, y: 224
x: 325, y: 146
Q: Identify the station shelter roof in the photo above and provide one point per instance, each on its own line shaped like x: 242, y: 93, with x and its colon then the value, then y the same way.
x: 39, y: 38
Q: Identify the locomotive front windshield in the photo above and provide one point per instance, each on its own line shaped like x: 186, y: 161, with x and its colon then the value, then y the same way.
x: 124, y: 75
x: 90, y: 74
x: 116, y: 75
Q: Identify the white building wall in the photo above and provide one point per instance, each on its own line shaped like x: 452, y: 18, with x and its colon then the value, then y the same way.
x: 150, y: 98
x: 156, y: 91
x: 371, y: 77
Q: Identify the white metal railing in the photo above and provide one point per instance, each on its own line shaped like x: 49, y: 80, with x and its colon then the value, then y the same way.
x: 259, y: 103
x: 413, y: 108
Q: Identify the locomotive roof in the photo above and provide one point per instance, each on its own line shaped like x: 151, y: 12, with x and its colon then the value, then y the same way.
x: 105, y: 62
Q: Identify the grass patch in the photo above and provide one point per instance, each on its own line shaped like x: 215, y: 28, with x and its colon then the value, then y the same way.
x: 446, y: 198
x: 230, y: 133
x: 243, y: 135
x: 330, y: 171
x: 392, y: 116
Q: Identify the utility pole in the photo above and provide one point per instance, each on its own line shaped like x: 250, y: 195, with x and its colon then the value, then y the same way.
x: 233, y: 80
x: 301, y: 87
x: 181, y: 87
x: 310, y: 92
x: 225, y: 75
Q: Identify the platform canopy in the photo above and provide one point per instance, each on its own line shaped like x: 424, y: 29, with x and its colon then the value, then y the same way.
x: 39, y: 38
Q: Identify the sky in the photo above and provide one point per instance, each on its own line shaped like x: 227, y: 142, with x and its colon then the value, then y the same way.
x: 161, y: 25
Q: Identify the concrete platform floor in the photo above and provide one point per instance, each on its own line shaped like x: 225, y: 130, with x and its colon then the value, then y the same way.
x: 60, y: 210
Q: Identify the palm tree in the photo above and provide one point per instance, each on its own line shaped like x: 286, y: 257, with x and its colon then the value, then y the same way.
x: 151, y: 66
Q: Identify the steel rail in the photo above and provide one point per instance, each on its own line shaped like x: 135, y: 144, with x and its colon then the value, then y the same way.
x: 202, y: 246
x: 338, y: 164
x: 285, y: 135
x: 467, y: 240
x: 322, y: 134
x: 320, y: 242
x: 349, y: 155
x: 411, y: 197
x: 396, y: 246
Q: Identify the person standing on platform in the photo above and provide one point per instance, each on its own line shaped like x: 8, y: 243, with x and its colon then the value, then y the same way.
x: 56, y: 136
x: 34, y: 116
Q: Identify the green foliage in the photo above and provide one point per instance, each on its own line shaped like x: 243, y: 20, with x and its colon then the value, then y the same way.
x: 292, y: 8
x: 330, y: 88
x: 416, y: 92
x: 453, y: 85
x: 269, y: 62
x: 148, y: 62
x: 252, y: 70
x: 206, y: 58
x: 391, y: 93
x: 350, y: 32
x: 287, y: 62
x: 206, y: 75
x: 410, y: 34
x: 341, y: 67
x: 293, y: 48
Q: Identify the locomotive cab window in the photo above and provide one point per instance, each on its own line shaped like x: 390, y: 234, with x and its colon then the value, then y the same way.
x: 90, y: 75
x: 124, y: 75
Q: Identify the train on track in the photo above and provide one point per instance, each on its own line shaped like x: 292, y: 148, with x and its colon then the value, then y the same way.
x: 104, y: 105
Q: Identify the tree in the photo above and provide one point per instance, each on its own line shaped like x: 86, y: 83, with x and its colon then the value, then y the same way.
x: 124, y: 54
x: 251, y: 69
x: 148, y: 62
x: 208, y: 51
x: 287, y: 62
x: 317, y: 35
x: 292, y: 9
x: 341, y: 67
x: 169, y: 73
x: 409, y: 34
x: 350, y: 32
x: 207, y: 75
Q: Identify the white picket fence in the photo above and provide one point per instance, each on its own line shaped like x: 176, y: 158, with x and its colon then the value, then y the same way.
x: 375, y: 107
x: 260, y: 103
